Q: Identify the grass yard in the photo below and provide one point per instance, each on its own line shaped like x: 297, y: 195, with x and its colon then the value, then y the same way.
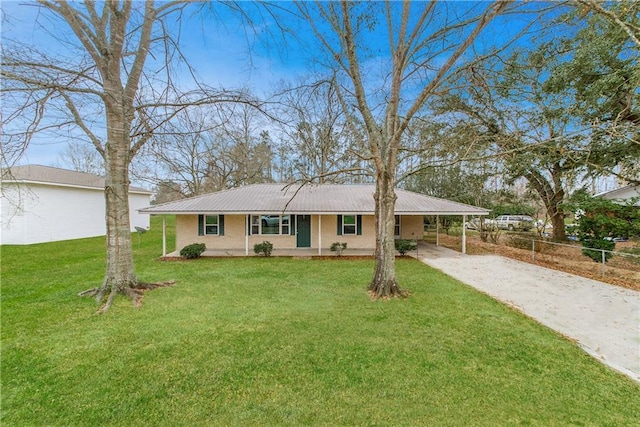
x: 279, y: 341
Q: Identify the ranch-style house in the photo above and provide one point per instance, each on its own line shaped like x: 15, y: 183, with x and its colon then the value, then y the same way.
x: 311, y: 216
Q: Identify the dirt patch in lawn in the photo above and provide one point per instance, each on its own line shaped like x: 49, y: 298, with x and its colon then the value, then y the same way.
x: 620, y: 270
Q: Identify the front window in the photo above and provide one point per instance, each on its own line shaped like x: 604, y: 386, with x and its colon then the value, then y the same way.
x: 270, y: 224
x: 285, y: 224
x: 396, y: 226
x: 349, y: 224
x: 255, y: 224
x: 211, y: 224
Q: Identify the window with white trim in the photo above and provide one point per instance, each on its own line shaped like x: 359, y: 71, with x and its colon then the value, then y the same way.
x: 349, y: 224
x: 396, y: 226
x: 284, y: 223
x: 211, y: 223
x: 255, y: 224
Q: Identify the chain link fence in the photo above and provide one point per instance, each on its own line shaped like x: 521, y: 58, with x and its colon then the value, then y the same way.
x: 603, y: 253
x: 620, y: 265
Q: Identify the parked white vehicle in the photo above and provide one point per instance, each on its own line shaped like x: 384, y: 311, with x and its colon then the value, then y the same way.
x: 514, y: 222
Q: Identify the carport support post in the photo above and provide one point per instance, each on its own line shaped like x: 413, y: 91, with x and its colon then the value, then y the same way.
x: 437, y: 230
x: 164, y: 236
x: 464, y: 234
x: 319, y: 234
x: 533, y: 249
x: 247, y: 224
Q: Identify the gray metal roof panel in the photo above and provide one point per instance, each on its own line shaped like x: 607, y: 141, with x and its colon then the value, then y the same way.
x: 322, y: 198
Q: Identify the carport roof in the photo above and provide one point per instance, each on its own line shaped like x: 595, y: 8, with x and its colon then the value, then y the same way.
x: 309, y: 199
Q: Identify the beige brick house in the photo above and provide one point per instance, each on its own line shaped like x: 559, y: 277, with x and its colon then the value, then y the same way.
x: 292, y: 217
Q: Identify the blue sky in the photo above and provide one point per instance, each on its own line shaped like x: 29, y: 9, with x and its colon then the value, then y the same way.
x: 228, y: 52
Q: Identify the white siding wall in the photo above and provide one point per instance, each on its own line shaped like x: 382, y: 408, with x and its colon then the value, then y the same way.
x: 139, y: 201
x: 52, y: 213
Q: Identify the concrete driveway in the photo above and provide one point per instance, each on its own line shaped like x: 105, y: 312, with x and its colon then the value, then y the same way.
x: 603, y: 319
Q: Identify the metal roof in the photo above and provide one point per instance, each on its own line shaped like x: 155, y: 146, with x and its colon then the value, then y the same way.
x: 55, y: 176
x: 309, y: 199
x: 627, y: 192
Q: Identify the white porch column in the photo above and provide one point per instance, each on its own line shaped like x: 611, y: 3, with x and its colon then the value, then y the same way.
x: 164, y: 236
x: 246, y: 234
x: 464, y: 234
x: 437, y: 230
x: 319, y: 234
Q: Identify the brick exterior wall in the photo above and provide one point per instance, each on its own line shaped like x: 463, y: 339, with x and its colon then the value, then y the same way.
x: 234, y: 233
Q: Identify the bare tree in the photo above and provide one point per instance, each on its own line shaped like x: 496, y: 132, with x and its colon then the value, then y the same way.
x: 248, y: 153
x: 425, y: 44
x: 112, y: 79
x: 320, y: 140
x: 210, y: 149
x: 82, y: 157
x: 182, y: 151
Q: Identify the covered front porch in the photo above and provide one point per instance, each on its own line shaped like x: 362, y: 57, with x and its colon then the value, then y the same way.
x: 293, y: 252
x: 300, y: 220
x: 428, y: 239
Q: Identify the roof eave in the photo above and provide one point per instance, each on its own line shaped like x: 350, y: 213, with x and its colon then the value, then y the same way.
x: 67, y: 185
x: 299, y: 212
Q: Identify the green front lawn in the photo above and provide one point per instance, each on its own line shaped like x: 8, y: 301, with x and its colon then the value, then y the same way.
x: 277, y: 341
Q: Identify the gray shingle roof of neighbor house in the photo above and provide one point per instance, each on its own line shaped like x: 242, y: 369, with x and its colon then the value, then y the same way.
x: 50, y: 175
x: 309, y: 199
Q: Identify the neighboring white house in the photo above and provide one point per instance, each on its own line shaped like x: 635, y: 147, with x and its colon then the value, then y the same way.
x: 628, y: 192
x: 45, y: 204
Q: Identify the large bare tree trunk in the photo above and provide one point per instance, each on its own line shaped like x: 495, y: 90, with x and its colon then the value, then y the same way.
x: 409, y: 41
x: 103, y: 68
x: 384, y: 283
x: 107, y: 51
x: 120, y: 276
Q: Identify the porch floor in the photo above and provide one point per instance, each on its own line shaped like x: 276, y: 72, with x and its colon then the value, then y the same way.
x: 296, y: 252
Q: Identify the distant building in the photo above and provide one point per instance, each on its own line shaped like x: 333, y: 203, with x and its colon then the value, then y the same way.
x: 45, y: 204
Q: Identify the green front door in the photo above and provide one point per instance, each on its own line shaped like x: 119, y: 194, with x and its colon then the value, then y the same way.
x: 303, y: 231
